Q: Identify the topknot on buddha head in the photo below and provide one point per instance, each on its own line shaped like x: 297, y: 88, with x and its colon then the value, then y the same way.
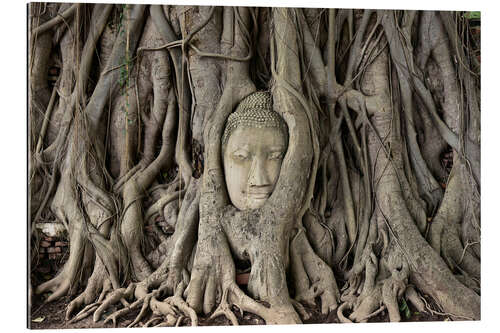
x: 255, y: 111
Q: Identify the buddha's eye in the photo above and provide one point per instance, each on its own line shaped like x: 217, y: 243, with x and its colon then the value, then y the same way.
x: 241, y: 155
x: 277, y: 155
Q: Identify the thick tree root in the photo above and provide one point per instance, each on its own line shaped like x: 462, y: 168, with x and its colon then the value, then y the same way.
x: 304, y: 315
x: 66, y: 280
x: 376, y: 292
x: 312, y: 277
x: 178, y: 302
x: 98, y: 282
x: 59, y: 286
x: 171, y: 310
x: 272, y: 316
x: 225, y: 310
x: 152, y: 321
x: 85, y: 312
x: 127, y: 309
x: 119, y: 295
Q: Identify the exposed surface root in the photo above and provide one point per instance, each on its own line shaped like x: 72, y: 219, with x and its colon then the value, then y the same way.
x: 224, y: 310
x: 66, y: 280
x: 98, y: 283
x: 120, y: 295
x: 312, y: 276
x: 304, y: 315
x: 366, y: 297
x: 85, y: 312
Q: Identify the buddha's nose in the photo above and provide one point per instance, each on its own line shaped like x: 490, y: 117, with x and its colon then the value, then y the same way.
x: 258, y: 174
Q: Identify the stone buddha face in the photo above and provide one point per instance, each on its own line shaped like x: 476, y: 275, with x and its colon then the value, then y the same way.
x: 254, y: 143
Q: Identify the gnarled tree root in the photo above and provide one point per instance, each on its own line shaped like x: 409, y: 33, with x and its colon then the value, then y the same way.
x: 312, y: 277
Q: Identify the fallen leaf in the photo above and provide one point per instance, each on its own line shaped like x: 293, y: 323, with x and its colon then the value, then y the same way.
x: 38, y: 320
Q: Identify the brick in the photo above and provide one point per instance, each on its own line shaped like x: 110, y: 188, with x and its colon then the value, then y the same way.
x: 45, y: 244
x: 54, y: 250
x: 49, y: 239
x: 52, y: 256
x: 61, y: 244
x: 242, y: 279
x: 42, y: 250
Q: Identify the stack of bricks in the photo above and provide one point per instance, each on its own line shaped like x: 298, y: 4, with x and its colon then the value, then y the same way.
x: 52, y: 248
x: 53, y: 75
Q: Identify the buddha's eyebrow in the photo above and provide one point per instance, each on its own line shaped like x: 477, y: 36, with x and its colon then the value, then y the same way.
x: 245, y: 148
x: 276, y: 148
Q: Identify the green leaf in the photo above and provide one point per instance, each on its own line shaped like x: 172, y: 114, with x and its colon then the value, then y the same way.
x: 403, y: 307
x: 472, y: 15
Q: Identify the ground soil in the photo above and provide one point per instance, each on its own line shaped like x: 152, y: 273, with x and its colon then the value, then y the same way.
x: 53, y: 317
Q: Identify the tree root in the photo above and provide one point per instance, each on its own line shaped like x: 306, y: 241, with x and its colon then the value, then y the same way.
x: 340, y: 313
x: 213, y: 281
x: 158, y: 207
x: 414, y: 298
x: 85, y: 312
x: 119, y: 295
x: 151, y: 321
x: 65, y: 281
x: 98, y: 282
x: 59, y: 286
x: 272, y: 316
x: 145, y: 305
x: 173, y: 309
x: 225, y: 310
x: 312, y: 276
x: 178, y: 302
x: 127, y: 309
x: 385, y: 295
x: 162, y: 308
x: 304, y: 315
x: 367, y: 298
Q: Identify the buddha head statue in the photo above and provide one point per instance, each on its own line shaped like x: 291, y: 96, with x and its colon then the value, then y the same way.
x: 254, y: 143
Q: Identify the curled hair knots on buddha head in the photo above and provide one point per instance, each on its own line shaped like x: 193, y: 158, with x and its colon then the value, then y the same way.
x: 254, y: 111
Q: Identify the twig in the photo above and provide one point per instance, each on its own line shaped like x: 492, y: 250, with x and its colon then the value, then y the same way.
x: 67, y: 14
x: 373, y: 314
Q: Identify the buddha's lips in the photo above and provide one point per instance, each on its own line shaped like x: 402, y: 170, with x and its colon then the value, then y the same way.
x: 258, y: 195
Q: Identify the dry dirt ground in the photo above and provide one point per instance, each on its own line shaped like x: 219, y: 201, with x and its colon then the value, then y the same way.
x: 53, y: 317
